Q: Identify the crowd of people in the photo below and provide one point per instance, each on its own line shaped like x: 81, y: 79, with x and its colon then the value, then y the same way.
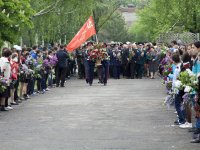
x: 127, y: 60
x: 176, y: 63
x: 29, y: 71
x: 180, y: 68
x: 25, y: 72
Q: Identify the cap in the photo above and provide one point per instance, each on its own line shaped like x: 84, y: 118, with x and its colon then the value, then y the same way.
x: 18, y: 48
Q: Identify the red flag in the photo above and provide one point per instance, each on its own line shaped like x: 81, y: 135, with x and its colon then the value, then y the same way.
x: 87, y: 30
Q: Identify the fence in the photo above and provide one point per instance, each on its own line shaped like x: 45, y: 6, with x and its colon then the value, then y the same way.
x: 184, y: 38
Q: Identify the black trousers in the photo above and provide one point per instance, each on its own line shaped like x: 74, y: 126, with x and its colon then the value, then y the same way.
x: 139, y: 70
x: 60, y: 75
x: 91, y: 66
x: 105, y: 71
x: 16, y: 90
x: 126, y: 69
x: 132, y: 69
x: 81, y: 70
x: 39, y: 84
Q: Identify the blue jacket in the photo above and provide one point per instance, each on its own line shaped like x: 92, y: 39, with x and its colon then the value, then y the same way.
x: 124, y: 56
x: 33, y: 55
x: 196, y: 67
x: 62, y: 58
x: 140, y: 59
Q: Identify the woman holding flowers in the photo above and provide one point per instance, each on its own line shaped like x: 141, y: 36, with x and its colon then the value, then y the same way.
x: 5, y: 69
x: 53, y: 61
x: 40, y: 73
x: 176, y: 84
x: 14, y: 76
x: 152, y: 62
x: 24, y: 75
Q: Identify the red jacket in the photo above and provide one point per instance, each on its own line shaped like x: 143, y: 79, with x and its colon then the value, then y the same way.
x: 14, y: 69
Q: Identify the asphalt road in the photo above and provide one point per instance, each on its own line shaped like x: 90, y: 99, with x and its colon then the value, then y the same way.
x: 124, y: 115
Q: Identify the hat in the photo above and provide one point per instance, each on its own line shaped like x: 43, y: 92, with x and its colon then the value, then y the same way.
x: 18, y: 48
x: 140, y: 43
x: 89, y: 43
x: 112, y: 42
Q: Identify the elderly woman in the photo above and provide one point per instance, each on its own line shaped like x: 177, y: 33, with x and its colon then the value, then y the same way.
x: 152, y: 57
x: 6, y: 75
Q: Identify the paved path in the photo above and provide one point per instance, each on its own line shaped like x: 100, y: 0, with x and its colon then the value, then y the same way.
x: 125, y: 115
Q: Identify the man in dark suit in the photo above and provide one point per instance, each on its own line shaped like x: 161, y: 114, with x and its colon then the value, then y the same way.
x: 140, y: 60
x: 61, y: 68
x: 80, y: 63
x: 125, y: 62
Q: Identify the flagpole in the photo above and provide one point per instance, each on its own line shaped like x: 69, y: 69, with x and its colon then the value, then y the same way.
x: 97, y: 39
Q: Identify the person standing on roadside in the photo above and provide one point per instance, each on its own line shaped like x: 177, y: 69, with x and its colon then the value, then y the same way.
x: 61, y: 68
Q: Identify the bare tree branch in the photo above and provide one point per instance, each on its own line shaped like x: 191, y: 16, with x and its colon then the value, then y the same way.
x: 100, y: 26
x: 47, y: 9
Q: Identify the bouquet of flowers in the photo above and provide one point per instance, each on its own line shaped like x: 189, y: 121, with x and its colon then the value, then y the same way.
x: 46, y: 64
x: 189, y: 81
x: 25, y: 69
x: 188, y: 97
x: 98, y: 53
x: 189, y: 84
x: 3, y: 84
x: 31, y: 62
x: 53, y: 60
x: 40, y: 61
x: 37, y: 70
x: 104, y: 55
x: 169, y: 100
x: 168, y: 85
x: 93, y: 54
x: 167, y: 70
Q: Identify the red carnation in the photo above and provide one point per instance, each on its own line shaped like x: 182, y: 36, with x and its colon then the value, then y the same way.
x: 170, y: 69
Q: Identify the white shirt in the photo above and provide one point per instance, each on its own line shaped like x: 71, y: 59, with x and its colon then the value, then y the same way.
x: 176, y: 74
x: 5, y: 68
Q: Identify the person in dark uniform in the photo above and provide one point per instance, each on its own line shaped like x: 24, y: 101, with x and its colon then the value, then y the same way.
x: 86, y: 60
x: 132, y: 63
x: 61, y: 68
x: 140, y: 60
x: 91, y: 65
x: 124, y: 59
x: 80, y: 63
x: 116, y: 63
x: 72, y: 65
x: 146, y: 65
x: 105, y: 71
x: 110, y: 53
x: 105, y: 66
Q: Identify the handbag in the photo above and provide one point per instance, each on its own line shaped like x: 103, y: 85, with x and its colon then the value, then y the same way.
x: 13, y: 83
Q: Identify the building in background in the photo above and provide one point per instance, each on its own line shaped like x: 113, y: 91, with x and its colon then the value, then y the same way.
x: 129, y: 14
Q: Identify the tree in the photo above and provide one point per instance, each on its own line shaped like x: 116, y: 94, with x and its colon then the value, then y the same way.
x: 53, y: 20
x: 162, y: 16
x: 114, y: 30
x: 52, y: 23
x: 15, y: 14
